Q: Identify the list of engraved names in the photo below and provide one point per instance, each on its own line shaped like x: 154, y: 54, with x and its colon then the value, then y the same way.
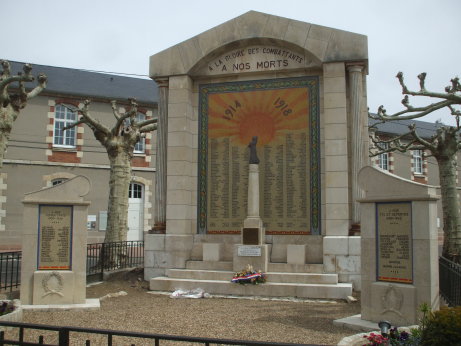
x: 55, y: 227
x: 395, y: 263
x: 284, y: 184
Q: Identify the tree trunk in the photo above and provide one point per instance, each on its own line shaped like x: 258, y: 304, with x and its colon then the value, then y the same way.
x: 450, y: 207
x: 7, y: 117
x: 119, y: 183
x: 4, y: 136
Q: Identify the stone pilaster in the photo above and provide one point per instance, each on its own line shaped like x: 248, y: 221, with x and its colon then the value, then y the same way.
x: 337, y: 202
x: 161, y: 170
x: 357, y: 159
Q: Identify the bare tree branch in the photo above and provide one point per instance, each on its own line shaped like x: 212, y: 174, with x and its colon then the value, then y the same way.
x: 422, y: 79
x: 395, y: 144
x: 42, y: 81
x: 420, y: 140
x: 388, y: 146
x: 448, y: 99
x: 381, y: 115
x: 116, y: 113
x: 148, y: 128
x: 6, y: 78
x: 130, y: 114
x: 450, y: 95
x: 147, y: 122
x: 86, y: 118
x: 81, y: 121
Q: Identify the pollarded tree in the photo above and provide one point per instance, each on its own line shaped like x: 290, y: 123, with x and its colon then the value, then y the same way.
x: 443, y: 146
x: 119, y: 142
x: 12, y: 103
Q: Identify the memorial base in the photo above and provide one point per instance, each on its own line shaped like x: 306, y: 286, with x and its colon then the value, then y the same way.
x: 392, y: 302
x: 88, y: 305
x: 57, y: 288
x: 254, y: 255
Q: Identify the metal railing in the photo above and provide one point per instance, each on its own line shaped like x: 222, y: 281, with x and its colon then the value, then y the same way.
x: 105, y: 257
x: 450, y: 281
x: 10, y: 270
x: 101, y: 258
x: 62, y: 335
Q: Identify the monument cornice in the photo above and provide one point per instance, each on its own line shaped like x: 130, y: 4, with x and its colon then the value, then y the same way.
x: 322, y: 43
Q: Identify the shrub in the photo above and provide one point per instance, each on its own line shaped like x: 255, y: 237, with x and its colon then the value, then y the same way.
x: 6, y: 307
x: 443, y: 327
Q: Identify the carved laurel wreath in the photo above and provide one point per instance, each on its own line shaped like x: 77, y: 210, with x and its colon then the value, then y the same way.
x: 52, y: 284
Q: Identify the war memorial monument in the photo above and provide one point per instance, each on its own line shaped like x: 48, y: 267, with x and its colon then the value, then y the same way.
x: 262, y: 160
x: 300, y: 89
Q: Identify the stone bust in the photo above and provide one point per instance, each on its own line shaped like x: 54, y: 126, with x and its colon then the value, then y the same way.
x: 253, y: 155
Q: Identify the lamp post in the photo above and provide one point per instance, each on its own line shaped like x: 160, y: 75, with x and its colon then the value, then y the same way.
x: 384, y: 326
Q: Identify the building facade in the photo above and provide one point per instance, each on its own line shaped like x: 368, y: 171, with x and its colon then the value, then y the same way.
x: 41, y: 155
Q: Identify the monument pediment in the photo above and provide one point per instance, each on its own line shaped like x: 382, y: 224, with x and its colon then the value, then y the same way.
x: 257, y: 41
x: 381, y: 185
x: 71, y: 191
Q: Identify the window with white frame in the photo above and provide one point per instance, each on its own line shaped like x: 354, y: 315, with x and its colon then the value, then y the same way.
x: 383, y: 158
x: 417, y: 161
x: 63, y: 117
x: 140, y: 146
x: 135, y: 191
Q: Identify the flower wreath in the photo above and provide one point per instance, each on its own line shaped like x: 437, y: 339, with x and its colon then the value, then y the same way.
x: 249, y: 276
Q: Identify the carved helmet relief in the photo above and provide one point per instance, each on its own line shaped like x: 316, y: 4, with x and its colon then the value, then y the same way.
x: 392, y: 300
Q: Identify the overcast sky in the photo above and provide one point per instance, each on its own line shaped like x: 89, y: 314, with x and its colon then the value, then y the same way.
x: 411, y: 36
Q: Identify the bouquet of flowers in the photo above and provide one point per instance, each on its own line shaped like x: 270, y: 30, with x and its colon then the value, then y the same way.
x: 249, y: 276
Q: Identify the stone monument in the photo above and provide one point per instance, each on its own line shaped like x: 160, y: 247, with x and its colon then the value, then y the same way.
x: 300, y: 88
x: 399, y: 248
x: 253, y: 249
x: 53, y: 271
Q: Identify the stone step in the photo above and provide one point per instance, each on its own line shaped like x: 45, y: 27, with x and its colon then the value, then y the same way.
x: 294, y: 268
x: 209, y: 265
x: 302, y: 278
x: 268, y: 289
x: 272, y: 267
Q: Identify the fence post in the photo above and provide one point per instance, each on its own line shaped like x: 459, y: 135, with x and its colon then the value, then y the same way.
x: 63, y: 337
x: 102, y: 258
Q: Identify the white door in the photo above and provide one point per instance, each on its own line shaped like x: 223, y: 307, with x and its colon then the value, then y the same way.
x: 135, y: 212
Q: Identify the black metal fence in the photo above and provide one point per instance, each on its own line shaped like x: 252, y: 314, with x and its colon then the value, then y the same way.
x: 450, y: 281
x: 64, y: 336
x: 106, y: 257
x: 101, y: 258
x: 10, y: 270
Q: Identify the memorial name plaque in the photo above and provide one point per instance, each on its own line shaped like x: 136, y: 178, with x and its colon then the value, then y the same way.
x: 249, y: 251
x: 283, y: 114
x: 55, y: 237
x: 250, y: 236
x: 394, y: 237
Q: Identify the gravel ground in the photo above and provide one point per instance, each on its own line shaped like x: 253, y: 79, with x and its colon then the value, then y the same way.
x: 244, y: 319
